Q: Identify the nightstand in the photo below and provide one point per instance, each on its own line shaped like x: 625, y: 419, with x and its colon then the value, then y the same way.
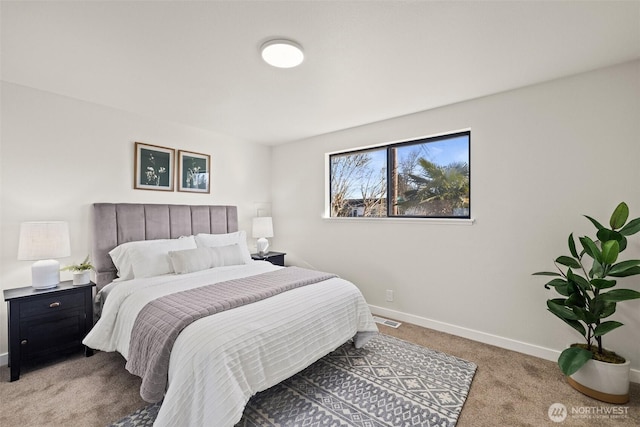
x: 275, y: 258
x: 47, y: 323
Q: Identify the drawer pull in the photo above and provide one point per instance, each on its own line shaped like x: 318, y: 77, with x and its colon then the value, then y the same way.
x: 23, y: 342
x: 54, y: 304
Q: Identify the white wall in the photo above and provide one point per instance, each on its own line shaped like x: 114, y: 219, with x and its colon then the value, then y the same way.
x: 60, y: 155
x: 541, y: 157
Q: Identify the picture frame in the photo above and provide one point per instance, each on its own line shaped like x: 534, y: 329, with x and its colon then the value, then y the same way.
x: 194, y: 172
x: 154, y: 167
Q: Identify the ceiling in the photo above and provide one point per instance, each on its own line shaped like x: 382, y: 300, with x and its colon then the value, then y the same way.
x: 198, y: 63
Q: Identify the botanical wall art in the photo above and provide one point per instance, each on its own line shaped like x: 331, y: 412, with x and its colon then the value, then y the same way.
x: 193, y: 172
x: 156, y: 168
x: 153, y: 167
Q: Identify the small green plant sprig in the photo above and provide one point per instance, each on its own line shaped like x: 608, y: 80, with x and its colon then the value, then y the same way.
x: 584, y: 303
x: 83, y: 266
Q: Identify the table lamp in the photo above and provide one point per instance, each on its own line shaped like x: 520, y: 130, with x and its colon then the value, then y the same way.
x: 262, y: 228
x: 41, y: 241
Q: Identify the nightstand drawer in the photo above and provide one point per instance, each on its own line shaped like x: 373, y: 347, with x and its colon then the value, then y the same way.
x: 51, y: 303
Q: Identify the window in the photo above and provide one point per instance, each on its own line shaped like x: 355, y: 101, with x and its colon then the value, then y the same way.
x: 424, y: 178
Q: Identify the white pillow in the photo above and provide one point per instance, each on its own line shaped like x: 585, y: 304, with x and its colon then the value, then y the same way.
x: 216, y: 240
x: 227, y: 255
x: 147, y: 258
x: 121, y: 259
x: 191, y: 260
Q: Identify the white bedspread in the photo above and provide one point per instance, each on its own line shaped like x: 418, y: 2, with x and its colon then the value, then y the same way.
x: 220, y: 361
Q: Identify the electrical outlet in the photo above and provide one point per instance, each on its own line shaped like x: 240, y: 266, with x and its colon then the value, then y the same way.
x: 389, y: 295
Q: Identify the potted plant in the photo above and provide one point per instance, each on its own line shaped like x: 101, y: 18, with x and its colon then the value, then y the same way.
x: 80, y: 271
x: 585, y: 281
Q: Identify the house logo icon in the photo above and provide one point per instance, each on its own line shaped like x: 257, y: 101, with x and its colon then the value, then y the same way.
x: 557, y: 412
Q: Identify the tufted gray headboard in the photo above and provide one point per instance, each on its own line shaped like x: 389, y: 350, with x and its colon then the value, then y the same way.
x: 117, y: 223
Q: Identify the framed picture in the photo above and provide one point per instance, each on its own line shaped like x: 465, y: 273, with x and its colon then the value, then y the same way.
x: 153, y: 167
x: 194, y: 171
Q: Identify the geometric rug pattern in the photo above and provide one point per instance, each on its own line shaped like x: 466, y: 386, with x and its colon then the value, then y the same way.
x: 388, y: 382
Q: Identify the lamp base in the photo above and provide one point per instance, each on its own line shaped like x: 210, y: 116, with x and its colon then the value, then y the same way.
x: 262, y: 245
x: 45, y: 274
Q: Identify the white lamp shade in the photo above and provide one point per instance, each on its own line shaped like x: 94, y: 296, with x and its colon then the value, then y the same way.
x: 41, y: 241
x: 44, y: 240
x: 262, y: 227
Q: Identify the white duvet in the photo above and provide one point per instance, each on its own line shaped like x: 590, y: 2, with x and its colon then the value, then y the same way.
x: 220, y: 361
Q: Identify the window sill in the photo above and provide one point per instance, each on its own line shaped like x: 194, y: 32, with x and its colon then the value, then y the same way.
x: 440, y: 221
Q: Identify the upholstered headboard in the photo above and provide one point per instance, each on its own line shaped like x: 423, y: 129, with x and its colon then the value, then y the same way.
x: 117, y: 223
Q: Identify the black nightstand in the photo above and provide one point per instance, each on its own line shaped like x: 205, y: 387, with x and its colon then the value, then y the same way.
x: 47, y: 323
x: 275, y: 258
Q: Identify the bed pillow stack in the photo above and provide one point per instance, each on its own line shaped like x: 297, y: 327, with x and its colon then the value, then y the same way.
x: 149, y: 258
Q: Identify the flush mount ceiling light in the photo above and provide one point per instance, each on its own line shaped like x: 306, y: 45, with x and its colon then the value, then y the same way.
x: 282, y: 53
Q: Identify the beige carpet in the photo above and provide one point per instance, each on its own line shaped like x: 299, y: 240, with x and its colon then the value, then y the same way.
x: 509, y: 389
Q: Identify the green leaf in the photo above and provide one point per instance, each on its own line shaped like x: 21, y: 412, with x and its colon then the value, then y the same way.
x: 623, y: 266
x: 605, y: 327
x: 546, y: 273
x: 585, y: 315
x: 560, y: 310
x: 603, y: 283
x: 563, y: 289
x: 610, y: 251
x: 594, y: 222
x: 606, y: 234
x: 591, y: 249
x: 597, y: 307
x: 631, y: 228
x: 619, y: 216
x: 626, y: 273
x: 596, y: 270
x: 572, y: 246
x: 608, y: 309
x: 572, y: 288
x: 572, y: 359
x: 555, y: 283
x: 618, y: 295
x: 568, y: 261
x: 576, y: 300
x: 581, y: 281
x: 623, y: 243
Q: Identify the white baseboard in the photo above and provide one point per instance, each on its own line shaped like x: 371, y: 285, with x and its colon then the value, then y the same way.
x: 4, y: 359
x: 483, y: 337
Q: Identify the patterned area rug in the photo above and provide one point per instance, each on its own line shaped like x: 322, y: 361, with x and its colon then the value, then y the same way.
x: 389, y: 382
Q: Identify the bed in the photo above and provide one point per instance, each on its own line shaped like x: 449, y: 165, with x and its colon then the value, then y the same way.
x: 217, y: 362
